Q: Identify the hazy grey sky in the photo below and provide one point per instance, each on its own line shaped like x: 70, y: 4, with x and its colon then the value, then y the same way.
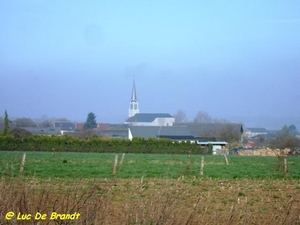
x: 233, y: 59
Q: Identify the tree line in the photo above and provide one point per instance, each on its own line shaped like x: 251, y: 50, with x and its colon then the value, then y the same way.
x: 201, y: 117
x: 90, y: 122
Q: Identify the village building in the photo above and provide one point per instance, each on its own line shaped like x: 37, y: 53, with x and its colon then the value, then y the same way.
x: 252, y: 132
x: 43, y: 130
x: 214, y: 131
x: 151, y: 119
x: 175, y: 133
x: 65, y: 126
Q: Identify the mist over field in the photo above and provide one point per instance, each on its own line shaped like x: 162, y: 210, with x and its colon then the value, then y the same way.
x: 237, y: 61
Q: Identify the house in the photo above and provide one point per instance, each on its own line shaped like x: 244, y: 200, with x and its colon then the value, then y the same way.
x: 101, y: 126
x: 178, y: 133
x: 151, y: 119
x: 65, y: 126
x: 252, y: 132
x: 43, y: 130
x: 112, y: 130
x: 217, y: 146
x: 79, y: 126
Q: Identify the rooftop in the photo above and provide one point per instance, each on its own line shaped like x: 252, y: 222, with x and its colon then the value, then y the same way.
x: 148, y: 117
x: 161, y: 131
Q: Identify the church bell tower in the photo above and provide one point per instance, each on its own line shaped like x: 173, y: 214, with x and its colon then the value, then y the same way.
x: 133, y: 104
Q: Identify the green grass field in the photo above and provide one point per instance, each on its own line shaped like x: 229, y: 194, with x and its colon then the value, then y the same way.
x: 100, y: 165
x: 250, y: 190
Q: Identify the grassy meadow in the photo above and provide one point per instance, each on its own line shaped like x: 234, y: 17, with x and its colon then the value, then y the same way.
x: 149, y: 189
x: 100, y: 165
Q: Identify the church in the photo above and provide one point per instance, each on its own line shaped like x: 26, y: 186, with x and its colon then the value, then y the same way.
x: 153, y: 125
x: 135, y: 118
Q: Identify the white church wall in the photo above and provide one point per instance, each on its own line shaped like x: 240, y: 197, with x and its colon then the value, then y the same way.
x: 156, y: 122
x: 130, y: 136
x: 163, y: 122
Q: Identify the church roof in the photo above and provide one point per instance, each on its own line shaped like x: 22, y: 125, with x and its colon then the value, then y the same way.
x: 148, y: 117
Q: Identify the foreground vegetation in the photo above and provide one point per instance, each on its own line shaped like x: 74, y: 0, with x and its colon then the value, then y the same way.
x: 151, y: 201
x: 147, y: 189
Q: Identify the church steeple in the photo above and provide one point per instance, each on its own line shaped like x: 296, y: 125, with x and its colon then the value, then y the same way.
x: 133, y: 104
x: 133, y: 94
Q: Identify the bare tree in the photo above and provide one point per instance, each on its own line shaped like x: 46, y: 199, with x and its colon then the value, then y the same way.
x: 285, y: 139
x: 25, y: 122
x: 203, y: 117
x: 220, y: 121
x: 63, y: 119
x: 230, y: 134
x: 180, y: 116
x: 19, y: 133
x: 45, y: 123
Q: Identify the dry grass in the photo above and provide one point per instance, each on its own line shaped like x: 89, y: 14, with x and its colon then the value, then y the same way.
x: 153, y: 201
x: 265, y: 152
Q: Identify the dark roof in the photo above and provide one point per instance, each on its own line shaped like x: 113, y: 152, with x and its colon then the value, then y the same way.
x: 212, y: 143
x: 205, y: 139
x: 174, y: 137
x: 148, y: 117
x: 66, y: 126
x: 43, y: 130
x: 181, y: 132
x: 112, y: 133
x: 209, y: 129
x: 118, y: 126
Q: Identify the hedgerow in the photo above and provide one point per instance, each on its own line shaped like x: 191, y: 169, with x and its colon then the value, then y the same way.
x: 98, y: 144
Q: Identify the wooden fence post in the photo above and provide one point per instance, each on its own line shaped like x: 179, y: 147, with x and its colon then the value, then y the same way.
x: 285, y: 166
x: 115, y: 164
x: 23, y: 162
x: 225, y: 156
x: 202, y: 165
x: 122, y: 159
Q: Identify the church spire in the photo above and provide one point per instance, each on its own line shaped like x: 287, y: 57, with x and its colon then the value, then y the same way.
x: 133, y: 94
x: 133, y: 104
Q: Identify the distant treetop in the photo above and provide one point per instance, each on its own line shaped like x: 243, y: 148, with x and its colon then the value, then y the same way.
x: 90, y: 121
